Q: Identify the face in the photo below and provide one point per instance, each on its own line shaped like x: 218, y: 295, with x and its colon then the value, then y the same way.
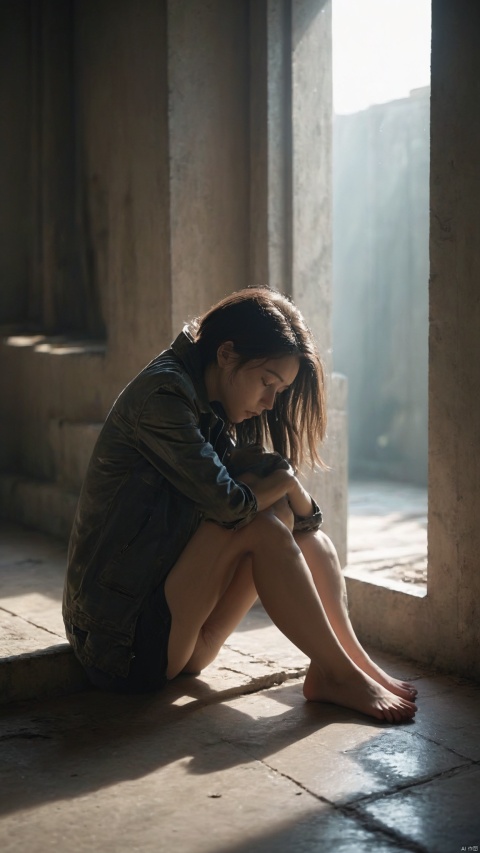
x: 252, y: 388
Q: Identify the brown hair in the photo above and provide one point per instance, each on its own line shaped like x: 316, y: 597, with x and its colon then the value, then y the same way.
x: 263, y: 323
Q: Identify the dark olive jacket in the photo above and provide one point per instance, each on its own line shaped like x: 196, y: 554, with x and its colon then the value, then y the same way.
x: 155, y: 472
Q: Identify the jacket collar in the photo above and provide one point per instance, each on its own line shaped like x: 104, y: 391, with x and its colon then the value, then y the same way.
x: 186, y: 350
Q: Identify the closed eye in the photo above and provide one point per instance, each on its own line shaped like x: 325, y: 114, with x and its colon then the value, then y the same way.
x: 271, y: 384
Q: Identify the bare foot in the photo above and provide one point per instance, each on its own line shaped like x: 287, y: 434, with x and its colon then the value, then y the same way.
x: 358, y: 691
x: 394, y: 685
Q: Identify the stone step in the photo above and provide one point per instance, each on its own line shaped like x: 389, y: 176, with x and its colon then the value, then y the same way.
x: 43, y: 505
x: 72, y: 444
x: 49, y: 671
x: 36, y: 661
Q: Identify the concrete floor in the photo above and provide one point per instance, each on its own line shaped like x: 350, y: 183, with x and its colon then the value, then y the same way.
x: 234, y: 761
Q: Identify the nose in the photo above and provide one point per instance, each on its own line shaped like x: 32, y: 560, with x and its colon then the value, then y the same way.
x: 268, y: 398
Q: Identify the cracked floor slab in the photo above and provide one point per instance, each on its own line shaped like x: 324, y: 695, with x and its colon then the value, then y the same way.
x: 440, y: 815
x: 232, y: 761
x: 20, y: 635
x: 193, y: 770
x: 335, y: 754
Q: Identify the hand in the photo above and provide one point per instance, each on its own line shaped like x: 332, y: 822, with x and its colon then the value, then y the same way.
x: 253, y: 458
x: 299, y: 500
x: 268, y: 490
x: 283, y: 511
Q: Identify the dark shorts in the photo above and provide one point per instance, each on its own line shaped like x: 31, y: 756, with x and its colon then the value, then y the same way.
x: 148, y: 667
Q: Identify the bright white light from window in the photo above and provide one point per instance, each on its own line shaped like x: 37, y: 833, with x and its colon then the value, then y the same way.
x: 381, y: 51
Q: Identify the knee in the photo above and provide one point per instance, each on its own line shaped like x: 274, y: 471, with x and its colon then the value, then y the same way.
x: 319, y: 546
x: 325, y: 544
x: 267, y: 529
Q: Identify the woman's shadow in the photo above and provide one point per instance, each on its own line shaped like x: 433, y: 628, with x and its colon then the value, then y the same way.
x: 70, y: 747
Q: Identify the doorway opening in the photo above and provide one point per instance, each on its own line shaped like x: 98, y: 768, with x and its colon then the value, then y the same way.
x: 381, y: 141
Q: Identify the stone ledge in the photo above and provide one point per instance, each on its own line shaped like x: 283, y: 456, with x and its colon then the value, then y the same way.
x: 367, y: 574
x: 55, y: 344
x: 36, y: 661
x: 41, y: 504
x: 72, y: 445
x: 52, y: 671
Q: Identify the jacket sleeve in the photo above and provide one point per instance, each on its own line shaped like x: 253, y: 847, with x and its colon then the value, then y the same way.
x: 168, y: 435
x: 308, y: 523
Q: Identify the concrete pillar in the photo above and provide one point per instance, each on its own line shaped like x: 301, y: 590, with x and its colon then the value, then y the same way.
x: 208, y: 62
x: 290, y: 201
x: 271, y: 144
x: 291, y: 120
x: 312, y: 165
x: 454, y: 432
x: 311, y: 238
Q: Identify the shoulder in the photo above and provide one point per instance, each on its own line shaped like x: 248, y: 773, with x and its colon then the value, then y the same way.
x: 165, y: 374
x: 163, y: 389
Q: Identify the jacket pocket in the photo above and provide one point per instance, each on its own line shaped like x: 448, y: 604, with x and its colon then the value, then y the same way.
x: 124, y: 572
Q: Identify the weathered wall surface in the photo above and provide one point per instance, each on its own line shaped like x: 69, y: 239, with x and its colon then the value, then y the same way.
x: 118, y: 198
x: 380, y: 283
x: 14, y: 160
x: 163, y: 136
x: 54, y: 394
x: 454, y: 431
x: 123, y: 138
x: 209, y: 153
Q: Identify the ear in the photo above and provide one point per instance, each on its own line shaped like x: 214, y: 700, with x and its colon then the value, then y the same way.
x: 226, y: 354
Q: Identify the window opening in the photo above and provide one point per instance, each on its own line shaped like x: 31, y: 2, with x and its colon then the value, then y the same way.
x: 381, y: 138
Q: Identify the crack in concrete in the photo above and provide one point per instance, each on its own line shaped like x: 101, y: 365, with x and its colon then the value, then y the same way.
x: 367, y: 822
x: 371, y: 825
x: 29, y: 622
x: 396, y: 789
x: 295, y: 672
x: 301, y: 670
x: 255, y: 685
x: 443, y: 746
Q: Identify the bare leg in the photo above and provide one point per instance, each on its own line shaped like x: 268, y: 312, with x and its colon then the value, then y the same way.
x: 195, y: 590
x: 234, y: 604
x: 284, y: 583
x: 224, y: 618
x: 322, y: 560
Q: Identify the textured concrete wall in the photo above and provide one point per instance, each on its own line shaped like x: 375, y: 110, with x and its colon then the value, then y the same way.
x: 123, y: 133
x: 310, y: 245
x: 208, y: 66
x: 14, y: 160
x: 201, y: 164
x: 454, y: 478
x: 125, y: 104
x: 312, y: 166
x: 290, y: 199
x: 121, y: 211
